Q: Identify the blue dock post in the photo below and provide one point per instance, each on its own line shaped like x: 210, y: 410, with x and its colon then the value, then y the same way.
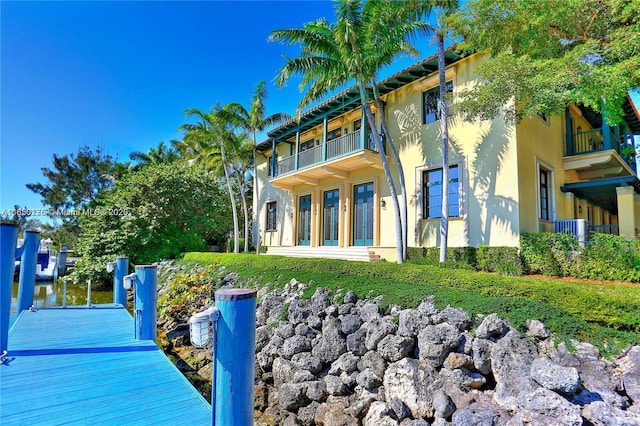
x: 28, y: 264
x: 8, y: 240
x: 62, y: 260
x: 234, y: 357
x: 145, y: 303
x: 121, y: 269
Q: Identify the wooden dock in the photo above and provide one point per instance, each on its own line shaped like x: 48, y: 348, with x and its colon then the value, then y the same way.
x: 82, y: 365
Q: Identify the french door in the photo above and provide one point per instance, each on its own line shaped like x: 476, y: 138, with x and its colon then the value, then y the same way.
x: 304, y: 220
x: 331, y: 217
x: 363, y: 214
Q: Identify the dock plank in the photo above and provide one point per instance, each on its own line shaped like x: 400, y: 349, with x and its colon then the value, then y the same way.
x: 83, y: 366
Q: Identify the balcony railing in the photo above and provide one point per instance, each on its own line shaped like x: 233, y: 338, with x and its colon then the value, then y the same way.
x: 582, y: 231
x: 589, y: 141
x: 595, y: 140
x: 335, y: 148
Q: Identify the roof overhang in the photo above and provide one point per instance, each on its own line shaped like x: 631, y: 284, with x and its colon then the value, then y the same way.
x: 349, y: 99
x: 602, y: 192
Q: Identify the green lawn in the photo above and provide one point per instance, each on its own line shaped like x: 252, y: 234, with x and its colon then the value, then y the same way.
x: 605, y: 314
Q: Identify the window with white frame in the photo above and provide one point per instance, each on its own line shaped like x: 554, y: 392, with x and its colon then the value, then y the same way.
x: 432, y: 197
x: 430, y: 110
x: 271, y: 215
x: 545, y: 192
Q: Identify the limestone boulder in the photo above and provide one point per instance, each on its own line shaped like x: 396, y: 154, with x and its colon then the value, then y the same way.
x: 563, y: 380
x: 408, y: 380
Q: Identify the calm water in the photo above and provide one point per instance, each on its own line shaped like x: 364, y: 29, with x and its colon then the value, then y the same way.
x: 48, y: 294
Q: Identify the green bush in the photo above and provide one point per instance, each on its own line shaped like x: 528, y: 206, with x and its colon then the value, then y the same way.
x: 457, y: 257
x: 609, y: 257
x: 414, y: 253
x: 504, y: 260
x: 230, y: 244
x: 605, y: 257
x: 152, y: 214
x: 548, y: 253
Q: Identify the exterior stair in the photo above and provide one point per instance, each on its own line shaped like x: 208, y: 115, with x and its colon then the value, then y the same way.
x: 355, y: 253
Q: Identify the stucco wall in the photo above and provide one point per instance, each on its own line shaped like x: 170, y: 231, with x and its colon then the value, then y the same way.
x: 541, y: 144
x: 485, y: 152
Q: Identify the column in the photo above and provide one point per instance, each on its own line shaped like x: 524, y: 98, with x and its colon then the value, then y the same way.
x: 626, y: 197
x: 325, y: 131
x: 569, y: 206
x: 296, y: 150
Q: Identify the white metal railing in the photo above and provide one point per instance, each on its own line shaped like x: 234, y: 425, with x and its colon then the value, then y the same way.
x: 576, y: 227
x: 343, y: 145
x: 338, y: 147
x: 310, y: 156
x: 285, y: 165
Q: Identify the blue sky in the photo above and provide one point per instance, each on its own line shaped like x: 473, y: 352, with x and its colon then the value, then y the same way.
x: 120, y: 74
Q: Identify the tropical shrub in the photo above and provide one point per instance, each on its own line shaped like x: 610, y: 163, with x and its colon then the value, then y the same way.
x: 188, y: 293
x: 457, y: 257
x: 609, y: 257
x: 548, y: 253
x: 504, y: 260
x: 152, y: 214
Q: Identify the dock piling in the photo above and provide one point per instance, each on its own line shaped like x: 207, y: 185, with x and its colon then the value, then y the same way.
x: 234, y: 357
x: 121, y: 269
x: 8, y: 240
x: 145, y: 302
x: 28, y: 265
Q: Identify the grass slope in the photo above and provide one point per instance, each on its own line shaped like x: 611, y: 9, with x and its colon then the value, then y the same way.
x: 605, y: 314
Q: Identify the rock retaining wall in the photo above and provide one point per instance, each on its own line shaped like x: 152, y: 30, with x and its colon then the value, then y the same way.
x: 340, y: 361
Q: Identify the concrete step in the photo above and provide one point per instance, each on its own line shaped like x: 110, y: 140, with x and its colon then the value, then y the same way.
x: 355, y: 253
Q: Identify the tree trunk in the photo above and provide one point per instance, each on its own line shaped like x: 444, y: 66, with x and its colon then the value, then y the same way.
x: 444, y: 221
x: 243, y: 199
x: 234, y: 209
x: 403, y: 186
x: 256, y: 213
x: 385, y: 166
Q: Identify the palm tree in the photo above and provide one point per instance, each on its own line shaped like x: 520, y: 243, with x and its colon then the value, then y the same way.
x: 242, y: 162
x: 355, y: 47
x: 444, y: 8
x: 159, y: 155
x: 254, y: 121
x: 209, y: 136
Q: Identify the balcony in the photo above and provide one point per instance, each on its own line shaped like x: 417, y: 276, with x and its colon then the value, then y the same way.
x: 598, y: 153
x: 337, y: 157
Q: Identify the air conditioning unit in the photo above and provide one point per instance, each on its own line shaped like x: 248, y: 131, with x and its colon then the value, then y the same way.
x: 579, y: 228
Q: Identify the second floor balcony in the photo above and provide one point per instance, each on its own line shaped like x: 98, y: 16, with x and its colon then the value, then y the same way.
x: 600, y: 152
x: 336, y: 157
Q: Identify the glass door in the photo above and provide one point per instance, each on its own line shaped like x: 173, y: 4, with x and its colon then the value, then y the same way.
x: 331, y: 217
x: 363, y: 214
x: 304, y: 220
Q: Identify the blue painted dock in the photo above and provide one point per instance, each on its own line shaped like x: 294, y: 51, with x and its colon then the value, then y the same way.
x: 82, y: 365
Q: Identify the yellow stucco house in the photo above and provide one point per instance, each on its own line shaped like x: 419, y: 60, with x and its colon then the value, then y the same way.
x: 322, y: 191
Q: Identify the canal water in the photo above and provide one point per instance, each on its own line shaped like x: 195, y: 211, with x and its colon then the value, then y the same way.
x: 48, y: 294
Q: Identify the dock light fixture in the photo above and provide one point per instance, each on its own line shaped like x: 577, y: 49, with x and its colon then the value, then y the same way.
x: 111, y: 266
x: 199, y: 330
x: 128, y: 281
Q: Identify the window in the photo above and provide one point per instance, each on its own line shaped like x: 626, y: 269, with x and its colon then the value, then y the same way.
x: 357, y: 125
x: 307, y: 145
x: 335, y: 133
x: 270, y: 166
x: 430, y: 112
x: 544, y: 117
x: 271, y: 216
x: 432, y: 193
x: 544, y: 194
